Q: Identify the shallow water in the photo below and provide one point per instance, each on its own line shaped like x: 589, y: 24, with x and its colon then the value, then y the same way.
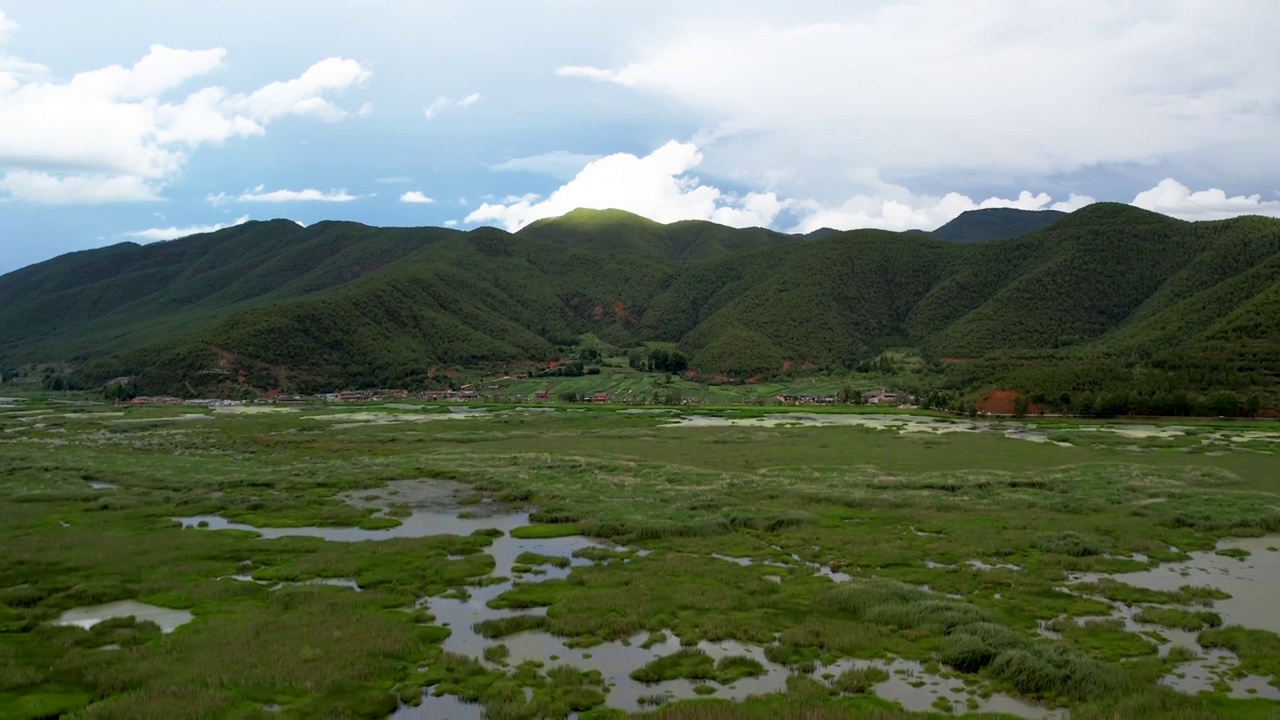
x: 188, y: 417
x: 1253, y: 582
x: 86, y: 617
x: 617, y: 660
x: 1200, y: 674
x: 421, y: 523
x: 1254, y: 585
x: 360, y: 419
x: 251, y: 409
x: 903, y: 424
x: 445, y: 707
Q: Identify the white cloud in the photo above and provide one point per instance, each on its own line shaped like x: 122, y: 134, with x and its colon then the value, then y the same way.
x: 49, y: 189
x: 658, y: 186
x: 655, y: 186
x: 119, y: 122
x: 416, y: 197
x: 305, y: 95
x: 394, y: 180
x: 1171, y: 197
x: 7, y: 27
x: 898, y: 209
x: 172, y: 233
x: 451, y: 223
x: 261, y: 195
x: 918, y: 87
x: 365, y: 110
x: 442, y: 103
x: 527, y: 198
x: 559, y: 164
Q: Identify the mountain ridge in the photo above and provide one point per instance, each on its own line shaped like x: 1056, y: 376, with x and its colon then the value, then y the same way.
x: 342, y: 303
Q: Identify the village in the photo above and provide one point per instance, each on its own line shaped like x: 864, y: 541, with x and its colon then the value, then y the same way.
x: 470, y: 394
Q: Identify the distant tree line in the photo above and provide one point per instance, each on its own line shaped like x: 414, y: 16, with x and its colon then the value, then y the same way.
x: 658, y: 360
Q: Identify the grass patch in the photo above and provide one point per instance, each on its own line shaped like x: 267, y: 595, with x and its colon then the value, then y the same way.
x: 860, y: 681
x: 1189, y: 620
x: 530, y: 558
x: 544, y: 532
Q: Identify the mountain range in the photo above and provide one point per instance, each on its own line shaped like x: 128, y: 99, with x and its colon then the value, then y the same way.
x: 275, y: 304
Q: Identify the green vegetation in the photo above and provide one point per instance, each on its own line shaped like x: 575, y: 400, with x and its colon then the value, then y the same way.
x: 859, y: 682
x: 1189, y: 620
x: 996, y: 224
x: 1109, y: 311
x: 820, y: 547
x: 692, y: 664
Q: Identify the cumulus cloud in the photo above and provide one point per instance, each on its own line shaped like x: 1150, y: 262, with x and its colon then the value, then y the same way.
x: 560, y: 164
x: 172, y: 233
x: 49, y: 189
x: 656, y: 186
x: 261, y: 195
x: 416, y: 197
x: 117, y: 129
x: 305, y: 95
x: 7, y: 27
x: 902, y: 210
x: 442, y: 103
x: 931, y: 86
x: 1171, y: 197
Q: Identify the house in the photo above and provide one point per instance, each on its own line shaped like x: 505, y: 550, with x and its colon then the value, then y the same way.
x: 144, y: 400
x: 541, y: 395
x: 600, y: 397
x: 880, y: 397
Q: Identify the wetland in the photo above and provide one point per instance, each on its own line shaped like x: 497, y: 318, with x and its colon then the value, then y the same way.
x: 369, y: 562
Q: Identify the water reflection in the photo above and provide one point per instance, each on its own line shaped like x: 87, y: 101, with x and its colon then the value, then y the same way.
x: 86, y: 617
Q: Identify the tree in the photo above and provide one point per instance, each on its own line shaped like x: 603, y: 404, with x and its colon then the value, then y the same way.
x: 1253, y: 406
x: 1020, y: 404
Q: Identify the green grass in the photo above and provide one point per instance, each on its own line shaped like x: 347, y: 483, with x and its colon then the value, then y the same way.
x: 1189, y: 620
x: 860, y: 682
x: 543, y: 532
x: 868, y: 503
x: 529, y: 558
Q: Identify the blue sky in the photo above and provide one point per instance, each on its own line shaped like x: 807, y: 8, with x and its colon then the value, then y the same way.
x: 139, y: 120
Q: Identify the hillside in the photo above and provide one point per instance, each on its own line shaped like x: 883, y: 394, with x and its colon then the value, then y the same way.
x: 272, y: 304
x: 988, y: 224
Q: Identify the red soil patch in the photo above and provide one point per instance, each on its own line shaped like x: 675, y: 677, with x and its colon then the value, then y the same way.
x: 1000, y: 402
x: 787, y: 365
x: 755, y: 380
x: 620, y: 310
x: 598, y: 311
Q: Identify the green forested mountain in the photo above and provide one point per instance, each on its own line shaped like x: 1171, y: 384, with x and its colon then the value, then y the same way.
x: 274, y: 304
x: 996, y: 224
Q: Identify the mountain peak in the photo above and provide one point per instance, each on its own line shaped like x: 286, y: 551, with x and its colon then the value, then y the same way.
x: 989, y: 224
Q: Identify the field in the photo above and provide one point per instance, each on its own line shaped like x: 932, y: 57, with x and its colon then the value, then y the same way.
x: 423, y: 562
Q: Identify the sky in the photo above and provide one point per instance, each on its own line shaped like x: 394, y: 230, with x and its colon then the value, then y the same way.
x: 143, y: 121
